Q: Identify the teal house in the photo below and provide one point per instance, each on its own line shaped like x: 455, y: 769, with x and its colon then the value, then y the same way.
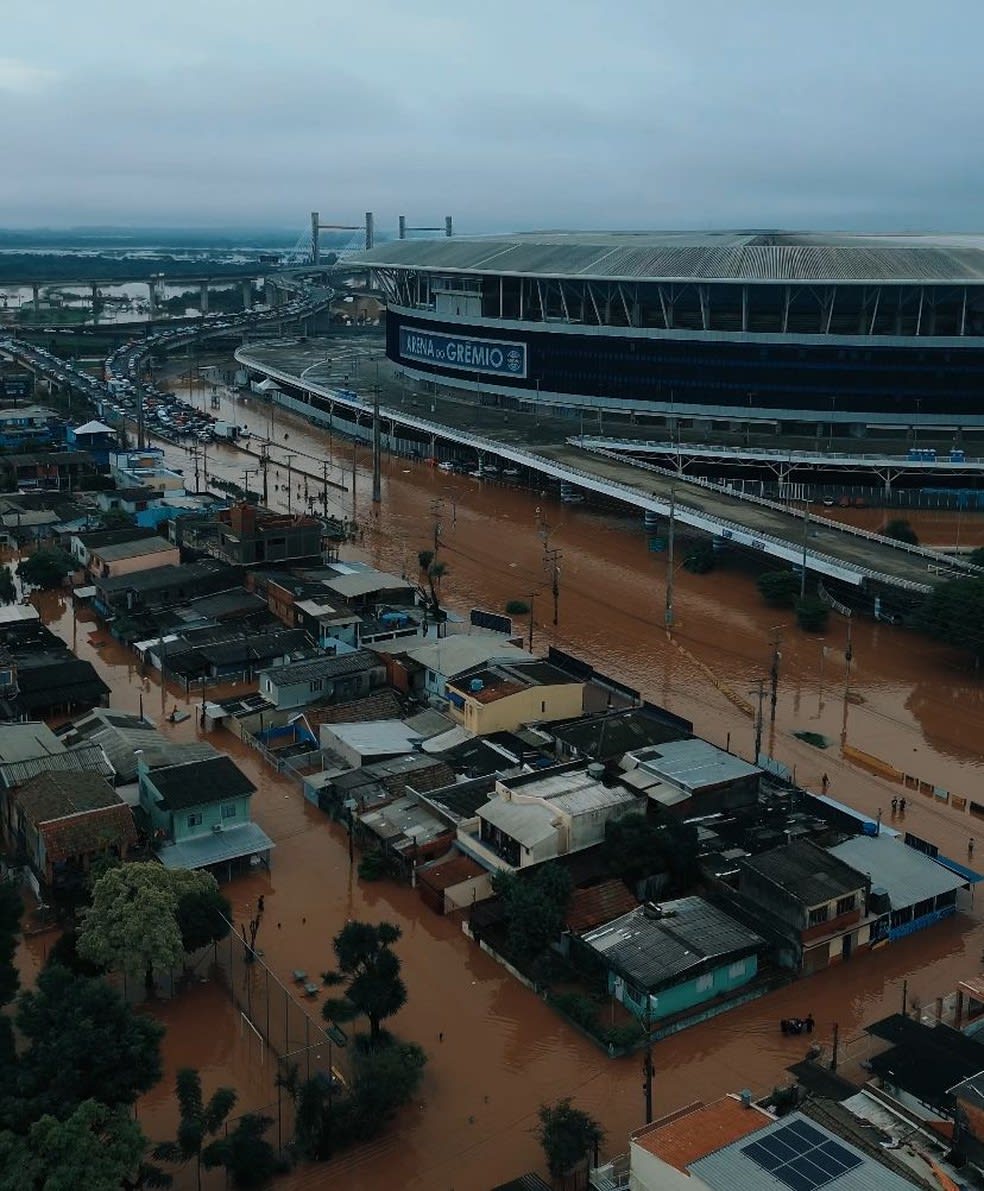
x: 675, y: 957
x: 198, y: 814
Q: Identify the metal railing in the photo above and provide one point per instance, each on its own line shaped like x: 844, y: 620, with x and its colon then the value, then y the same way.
x: 937, y: 557
x: 849, y: 572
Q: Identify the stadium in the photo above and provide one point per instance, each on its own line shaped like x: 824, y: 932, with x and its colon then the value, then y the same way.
x: 811, y: 332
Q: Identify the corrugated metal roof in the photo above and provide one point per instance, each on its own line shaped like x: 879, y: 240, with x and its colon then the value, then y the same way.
x: 694, y: 256
x: 83, y: 758
x: 907, y: 875
x: 732, y: 1169
x: 806, y: 872
x: 653, y: 952
x: 216, y: 847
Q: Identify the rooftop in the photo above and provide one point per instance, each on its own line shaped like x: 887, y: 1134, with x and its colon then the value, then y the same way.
x: 907, y: 876
x: 449, y: 870
x: 216, y: 847
x: 334, y: 666
x: 195, y: 783
x: 692, y: 764
x: 361, y: 583
x: 489, y: 683
x: 777, y: 256
x: 655, y: 948
x: 794, y: 1154
x: 451, y: 656
x: 53, y: 795
x: 376, y: 736
x: 18, y: 742
x: 78, y: 834
x: 806, y: 872
x: 118, y: 551
x: 925, y: 1061
x: 615, y: 733
x: 699, y: 1130
x: 598, y: 904
x: 573, y: 790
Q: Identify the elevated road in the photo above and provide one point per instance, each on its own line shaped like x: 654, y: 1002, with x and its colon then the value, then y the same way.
x: 828, y: 549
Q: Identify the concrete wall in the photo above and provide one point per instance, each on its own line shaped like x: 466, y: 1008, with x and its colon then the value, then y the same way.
x: 129, y: 566
x: 689, y: 993
x: 543, y: 703
x: 649, y: 1173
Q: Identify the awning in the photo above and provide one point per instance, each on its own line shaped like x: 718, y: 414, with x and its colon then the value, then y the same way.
x: 216, y: 847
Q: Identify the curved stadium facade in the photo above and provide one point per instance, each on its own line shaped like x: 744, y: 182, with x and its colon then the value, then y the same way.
x: 797, y: 329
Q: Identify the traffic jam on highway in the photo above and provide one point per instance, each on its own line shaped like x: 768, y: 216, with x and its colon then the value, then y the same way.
x: 118, y: 395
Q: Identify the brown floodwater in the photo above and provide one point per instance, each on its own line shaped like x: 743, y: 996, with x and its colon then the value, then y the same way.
x: 504, y: 1051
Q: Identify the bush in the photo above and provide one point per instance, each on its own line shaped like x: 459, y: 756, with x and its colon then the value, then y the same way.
x: 579, y: 1009
x: 779, y: 588
x: 700, y: 558
x: 812, y: 614
x: 373, y: 866
x: 625, y: 1036
x: 901, y: 531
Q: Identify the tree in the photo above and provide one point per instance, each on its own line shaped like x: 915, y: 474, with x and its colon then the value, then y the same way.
x: 198, y: 1121
x: 517, y: 608
x: 248, y: 1157
x: 812, y: 614
x: 96, y: 1147
x: 134, y: 924
x: 46, y: 568
x: 779, y: 588
x: 568, y: 1136
x: 433, y: 572
x: 385, y: 1079
x: 535, y: 908
x: 636, y: 847
x: 11, y: 910
x: 118, y: 519
x: 700, y: 558
x: 954, y: 613
x: 901, y: 531
x: 203, y: 915
x: 86, y: 1043
x: 976, y: 556
x: 372, y: 969
x: 8, y: 590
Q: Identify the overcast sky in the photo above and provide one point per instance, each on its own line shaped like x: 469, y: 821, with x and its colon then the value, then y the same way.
x: 859, y: 114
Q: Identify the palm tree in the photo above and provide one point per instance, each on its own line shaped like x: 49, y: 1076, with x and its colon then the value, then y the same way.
x: 198, y: 1121
x: 433, y: 571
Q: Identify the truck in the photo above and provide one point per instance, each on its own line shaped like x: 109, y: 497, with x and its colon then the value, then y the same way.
x: 226, y: 430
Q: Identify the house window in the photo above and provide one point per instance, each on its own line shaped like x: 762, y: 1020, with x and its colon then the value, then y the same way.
x: 317, y: 684
x: 737, y: 968
x: 705, y: 982
x: 819, y: 914
x: 543, y: 707
x: 228, y: 810
x: 846, y: 904
x: 195, y: 820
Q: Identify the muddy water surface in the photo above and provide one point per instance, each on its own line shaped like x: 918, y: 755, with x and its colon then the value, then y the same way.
x: 504, y: 1051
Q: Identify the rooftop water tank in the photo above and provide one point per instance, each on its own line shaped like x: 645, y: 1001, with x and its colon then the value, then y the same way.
x: 476, y: 685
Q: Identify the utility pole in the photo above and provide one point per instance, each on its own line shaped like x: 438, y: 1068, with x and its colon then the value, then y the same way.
x: 290, y: 485
x: 377, y: 492
x: 194, y: 455
x: 668, y: 616
x: 834, y: 1047
x: 324, y: 487
x: 647, y: 1065
x: 776, y: 641
x: 758, y: 723
x: 551, y: 560
x: 264, y: 466
x: 437, y: 505
x: 806, y: 526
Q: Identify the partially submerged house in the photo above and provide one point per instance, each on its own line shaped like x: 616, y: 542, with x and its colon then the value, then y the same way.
x: 198, y: 813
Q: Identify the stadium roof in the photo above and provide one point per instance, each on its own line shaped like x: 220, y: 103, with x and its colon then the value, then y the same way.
x: 694, y: 256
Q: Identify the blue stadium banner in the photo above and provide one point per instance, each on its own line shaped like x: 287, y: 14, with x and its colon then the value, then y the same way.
x: 494, y: 357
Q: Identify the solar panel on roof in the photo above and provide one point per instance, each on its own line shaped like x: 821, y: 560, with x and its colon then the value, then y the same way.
x: 801, y: 1157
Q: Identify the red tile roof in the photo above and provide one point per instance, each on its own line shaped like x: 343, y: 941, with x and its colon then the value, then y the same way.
x: 597, y: 905
x: 688, y: 1136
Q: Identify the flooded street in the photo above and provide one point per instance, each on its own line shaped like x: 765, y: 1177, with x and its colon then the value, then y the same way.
x: 504, y: 1051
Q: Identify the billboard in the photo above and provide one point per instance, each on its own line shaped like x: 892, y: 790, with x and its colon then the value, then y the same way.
x: 494, y: 357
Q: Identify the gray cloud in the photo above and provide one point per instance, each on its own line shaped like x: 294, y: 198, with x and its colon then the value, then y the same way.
x: 639, y: 113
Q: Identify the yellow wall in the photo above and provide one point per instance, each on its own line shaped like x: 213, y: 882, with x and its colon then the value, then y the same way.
x: 536, y: 703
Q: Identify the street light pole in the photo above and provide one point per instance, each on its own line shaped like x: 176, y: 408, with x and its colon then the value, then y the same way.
x: 806, y: 526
